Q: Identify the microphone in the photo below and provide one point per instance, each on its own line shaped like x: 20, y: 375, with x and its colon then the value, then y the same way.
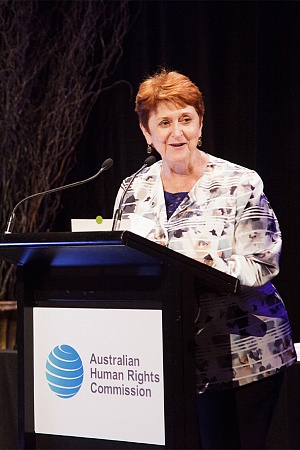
x: 107, y: 164
x: 118, y: 214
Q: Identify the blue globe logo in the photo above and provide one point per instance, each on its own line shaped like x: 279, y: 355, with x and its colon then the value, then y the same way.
x: 64, y: 371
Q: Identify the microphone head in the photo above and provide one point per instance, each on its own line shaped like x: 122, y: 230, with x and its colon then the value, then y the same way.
x: 107, y: 164
x: 150, y: 160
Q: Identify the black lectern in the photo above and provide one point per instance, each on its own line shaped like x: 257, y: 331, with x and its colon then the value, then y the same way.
x: 91, y: 308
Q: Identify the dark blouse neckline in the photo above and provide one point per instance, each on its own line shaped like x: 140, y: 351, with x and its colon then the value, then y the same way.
x: 173, y: 201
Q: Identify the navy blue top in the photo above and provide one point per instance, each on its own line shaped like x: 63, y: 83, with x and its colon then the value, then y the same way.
x: 173, y: 201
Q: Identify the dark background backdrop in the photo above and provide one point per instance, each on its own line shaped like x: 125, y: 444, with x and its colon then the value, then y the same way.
x: 245, y: 57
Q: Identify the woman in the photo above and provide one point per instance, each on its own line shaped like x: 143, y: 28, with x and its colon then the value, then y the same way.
x: 216, y: 212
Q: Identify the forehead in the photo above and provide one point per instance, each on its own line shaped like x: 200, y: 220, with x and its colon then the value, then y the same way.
x: 171, y: 110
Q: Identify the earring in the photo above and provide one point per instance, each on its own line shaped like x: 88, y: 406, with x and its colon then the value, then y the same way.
x: 199, y: 142
x: 149, y: 148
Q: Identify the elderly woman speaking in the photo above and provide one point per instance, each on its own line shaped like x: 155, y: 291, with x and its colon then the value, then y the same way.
x: 215, y: 211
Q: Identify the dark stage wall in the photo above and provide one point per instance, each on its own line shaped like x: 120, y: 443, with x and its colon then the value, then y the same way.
x: 245, y: 57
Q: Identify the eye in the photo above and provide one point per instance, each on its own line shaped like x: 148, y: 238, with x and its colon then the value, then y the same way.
x: 164, y: 123
x: 186, y: 119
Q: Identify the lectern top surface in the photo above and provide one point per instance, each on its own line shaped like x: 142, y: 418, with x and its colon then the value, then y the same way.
x: 104, y: 248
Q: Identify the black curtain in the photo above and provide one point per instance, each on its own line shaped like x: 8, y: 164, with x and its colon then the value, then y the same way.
x: 245, y: 57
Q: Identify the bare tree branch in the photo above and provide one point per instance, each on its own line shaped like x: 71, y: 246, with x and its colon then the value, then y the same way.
x: 54, y: 58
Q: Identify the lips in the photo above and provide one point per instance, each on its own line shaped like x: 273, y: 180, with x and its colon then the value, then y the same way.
x: 178, y: 145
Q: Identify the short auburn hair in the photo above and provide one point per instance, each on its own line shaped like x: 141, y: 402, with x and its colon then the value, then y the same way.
x: 167, y: 87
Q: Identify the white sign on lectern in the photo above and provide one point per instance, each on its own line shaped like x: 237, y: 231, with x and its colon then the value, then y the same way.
x: 98, y: 373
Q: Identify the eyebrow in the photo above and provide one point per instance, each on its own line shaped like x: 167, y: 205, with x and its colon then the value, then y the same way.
x: 186, y: 113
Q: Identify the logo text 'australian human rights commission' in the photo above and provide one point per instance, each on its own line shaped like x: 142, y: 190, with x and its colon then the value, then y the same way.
x: 121, y: 375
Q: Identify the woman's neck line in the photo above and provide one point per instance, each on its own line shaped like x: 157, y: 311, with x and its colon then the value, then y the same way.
x: 181, y: 169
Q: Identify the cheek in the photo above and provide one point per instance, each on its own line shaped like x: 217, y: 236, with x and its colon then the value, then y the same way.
x: 196, y: 132
x: 160, y: 137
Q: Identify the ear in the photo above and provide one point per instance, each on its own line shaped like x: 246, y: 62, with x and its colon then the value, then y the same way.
x: 146, y: 134
x: 201, y: 126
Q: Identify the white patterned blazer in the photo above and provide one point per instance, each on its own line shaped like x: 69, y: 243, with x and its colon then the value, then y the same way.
x: 227, y: 220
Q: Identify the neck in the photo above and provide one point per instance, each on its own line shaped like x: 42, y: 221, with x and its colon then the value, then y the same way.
x: 181, y: 176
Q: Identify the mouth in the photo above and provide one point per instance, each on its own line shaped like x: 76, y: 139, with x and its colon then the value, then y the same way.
x: 177, y: 145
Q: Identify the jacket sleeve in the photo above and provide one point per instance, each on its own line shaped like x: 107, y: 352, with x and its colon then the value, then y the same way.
x: 257, y: 237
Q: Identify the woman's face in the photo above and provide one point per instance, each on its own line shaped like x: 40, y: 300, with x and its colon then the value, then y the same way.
x: 174, y: 132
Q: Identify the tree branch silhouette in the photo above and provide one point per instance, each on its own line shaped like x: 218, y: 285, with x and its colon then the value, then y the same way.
x: 54, y: 59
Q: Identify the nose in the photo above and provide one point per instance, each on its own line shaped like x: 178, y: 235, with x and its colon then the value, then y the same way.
x: 176, y: 129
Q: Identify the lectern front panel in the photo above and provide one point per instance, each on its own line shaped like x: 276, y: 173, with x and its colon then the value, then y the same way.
x: 98, y: 373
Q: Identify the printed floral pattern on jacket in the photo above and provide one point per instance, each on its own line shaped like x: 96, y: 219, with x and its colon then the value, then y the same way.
x: 227, y: 220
